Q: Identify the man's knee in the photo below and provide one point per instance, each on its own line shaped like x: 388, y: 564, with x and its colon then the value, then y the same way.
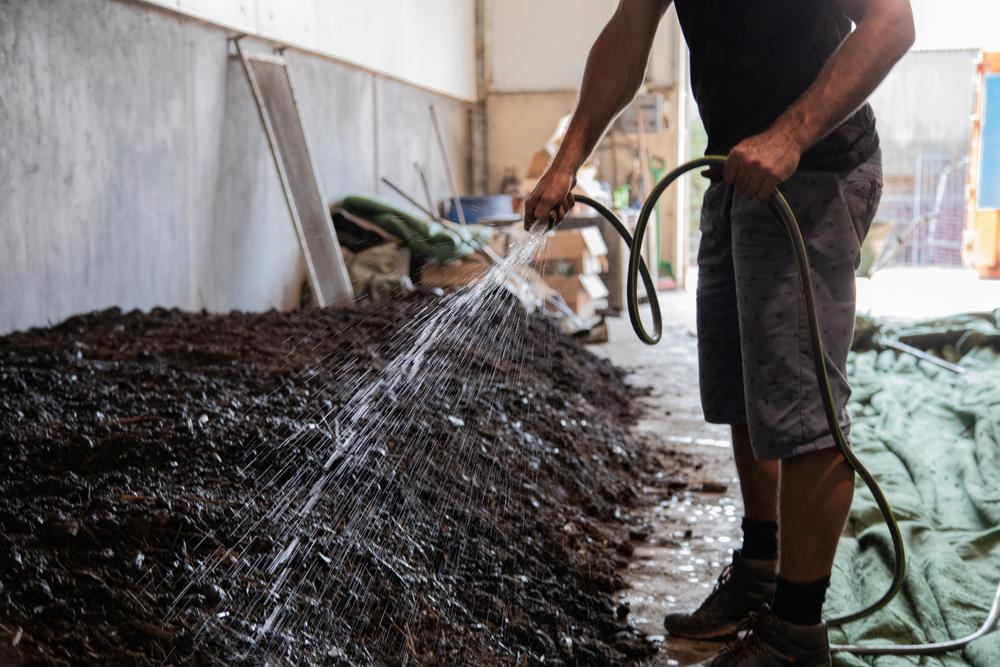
x: 828, y: 460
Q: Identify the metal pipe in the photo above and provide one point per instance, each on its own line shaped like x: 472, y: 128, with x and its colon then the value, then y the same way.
x: 918, y: 353
x: 447, y: 166
x: 935, y: 648
x: 422, y: 173
x: 407, y: 197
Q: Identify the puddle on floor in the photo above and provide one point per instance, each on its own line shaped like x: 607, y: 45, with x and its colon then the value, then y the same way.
x: 690, y: 539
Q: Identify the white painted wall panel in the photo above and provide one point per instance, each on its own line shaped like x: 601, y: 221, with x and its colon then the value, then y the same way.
x: 237, y: 13
x: 430, y: 43
x: 542, y: 45
x: 957, y: 24
x: 924, y: 106
x: 663, y: 59
x: 538, y: 45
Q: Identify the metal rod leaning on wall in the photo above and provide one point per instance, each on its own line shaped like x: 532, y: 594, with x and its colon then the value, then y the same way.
x: 408, y: 198
x: 422, y: 173
x: 447, y: 166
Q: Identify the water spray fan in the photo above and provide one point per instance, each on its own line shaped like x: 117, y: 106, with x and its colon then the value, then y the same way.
x: 779, y: 206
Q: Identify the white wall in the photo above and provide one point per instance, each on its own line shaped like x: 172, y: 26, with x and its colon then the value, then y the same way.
x: 430, y: 43
x: 956, y: 24
x: 542, y: 45
x: 925, y: 106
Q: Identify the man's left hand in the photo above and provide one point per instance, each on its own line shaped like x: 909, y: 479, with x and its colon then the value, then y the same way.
x: 759, y: 164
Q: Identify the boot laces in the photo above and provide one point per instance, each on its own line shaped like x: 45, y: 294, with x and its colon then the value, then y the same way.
x: 724, y: 576
x: 748, y: 644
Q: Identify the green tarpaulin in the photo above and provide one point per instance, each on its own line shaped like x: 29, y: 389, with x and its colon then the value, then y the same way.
x: 932, y: 438
x: 425, y: 238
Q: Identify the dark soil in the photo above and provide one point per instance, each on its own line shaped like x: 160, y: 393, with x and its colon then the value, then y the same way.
x: 131, y: 444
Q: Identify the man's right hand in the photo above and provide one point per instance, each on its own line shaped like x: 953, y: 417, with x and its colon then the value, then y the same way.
x: 551, y: 199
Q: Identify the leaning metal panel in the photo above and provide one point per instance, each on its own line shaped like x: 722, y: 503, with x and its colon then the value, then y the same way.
x: 275, y: 97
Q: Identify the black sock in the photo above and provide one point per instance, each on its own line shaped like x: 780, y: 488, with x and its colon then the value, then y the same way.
x: 760, y: 539
x: 800, y: 603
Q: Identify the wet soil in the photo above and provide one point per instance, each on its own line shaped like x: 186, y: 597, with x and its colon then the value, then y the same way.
x: 130, y: 444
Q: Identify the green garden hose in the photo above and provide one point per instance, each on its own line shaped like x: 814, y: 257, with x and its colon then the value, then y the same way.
x: 779, y: 205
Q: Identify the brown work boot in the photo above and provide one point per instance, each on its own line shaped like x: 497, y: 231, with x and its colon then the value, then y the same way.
x: 772, y: 642
x: 743, y: 587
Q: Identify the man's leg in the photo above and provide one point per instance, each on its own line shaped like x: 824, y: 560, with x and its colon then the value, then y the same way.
x: 749, y: 582
x: 759, y: 488
x: 758, y: 479
x: 816, y: 493
x: 815, y: 496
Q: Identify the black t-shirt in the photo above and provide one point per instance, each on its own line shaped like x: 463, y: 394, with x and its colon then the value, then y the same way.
x: 751, y: 59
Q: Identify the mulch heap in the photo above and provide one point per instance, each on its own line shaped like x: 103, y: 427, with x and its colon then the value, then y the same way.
x: 130, y: 443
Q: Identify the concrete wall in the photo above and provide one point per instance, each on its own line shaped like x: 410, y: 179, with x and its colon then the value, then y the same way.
x: 427, y: 42
x: 134, y: 171
x: 956, y: 24
x: 925, y: 106
x: 542, y: 45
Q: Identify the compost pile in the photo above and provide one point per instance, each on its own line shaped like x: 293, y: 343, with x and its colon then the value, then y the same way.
x: 131, y: 444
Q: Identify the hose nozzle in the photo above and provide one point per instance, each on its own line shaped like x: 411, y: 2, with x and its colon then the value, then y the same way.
x: 543, y: 227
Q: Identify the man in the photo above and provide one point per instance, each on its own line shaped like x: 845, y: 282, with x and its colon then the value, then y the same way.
x: 781, y: 87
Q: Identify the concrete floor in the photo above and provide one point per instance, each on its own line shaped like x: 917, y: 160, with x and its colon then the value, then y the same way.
x: 693, y: 510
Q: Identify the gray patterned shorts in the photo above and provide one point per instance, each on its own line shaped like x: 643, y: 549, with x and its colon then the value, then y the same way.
x: 755, y: 362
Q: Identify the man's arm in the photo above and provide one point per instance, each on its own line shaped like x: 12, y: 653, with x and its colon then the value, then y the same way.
x: 615, y: 70
x: 884, y: 32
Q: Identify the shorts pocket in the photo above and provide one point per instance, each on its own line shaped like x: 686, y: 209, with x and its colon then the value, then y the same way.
x: 862, y: 196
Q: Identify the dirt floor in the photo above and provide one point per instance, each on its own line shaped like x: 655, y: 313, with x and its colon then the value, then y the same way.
x: 132, y: 449
x: 691, y: 510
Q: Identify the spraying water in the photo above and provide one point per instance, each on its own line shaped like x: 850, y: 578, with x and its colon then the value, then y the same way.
x: 374, y: 452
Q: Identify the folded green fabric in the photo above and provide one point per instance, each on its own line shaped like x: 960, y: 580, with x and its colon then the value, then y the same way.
x: 428, y: 240
x: 932, y: 438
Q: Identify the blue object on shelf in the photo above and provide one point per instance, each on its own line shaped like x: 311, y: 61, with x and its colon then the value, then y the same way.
x: 479, y: 208
x: 989, y: 173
